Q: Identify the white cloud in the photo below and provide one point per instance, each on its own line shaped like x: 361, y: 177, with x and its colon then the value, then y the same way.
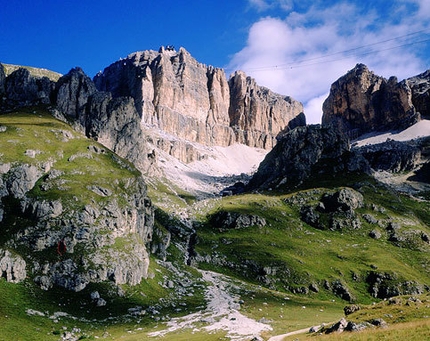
x: 263, y: 5
x: 302, y: 54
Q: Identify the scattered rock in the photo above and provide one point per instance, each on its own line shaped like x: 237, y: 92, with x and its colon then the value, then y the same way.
x: 234, y: 220
x: 350, y: 309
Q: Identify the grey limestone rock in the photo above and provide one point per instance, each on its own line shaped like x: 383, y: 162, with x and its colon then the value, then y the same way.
x: 346, y: 199
x: 420, y: 86
x: 234, y: 220
x: 195, y: 102
x: 12, y: 267
x: 298, y: 152
x: 21, y: 179
x: 393, y: 156
x: 71, y: 93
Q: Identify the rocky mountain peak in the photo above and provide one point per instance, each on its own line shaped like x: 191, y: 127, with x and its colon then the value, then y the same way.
x: 362, y: 102
x: 195, y: 103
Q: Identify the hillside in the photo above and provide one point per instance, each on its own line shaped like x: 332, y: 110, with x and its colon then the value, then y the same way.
x: 114, y: 226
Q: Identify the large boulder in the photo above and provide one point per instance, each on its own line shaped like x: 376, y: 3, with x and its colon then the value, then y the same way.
x: 12, y: 267
x: 361, y: 102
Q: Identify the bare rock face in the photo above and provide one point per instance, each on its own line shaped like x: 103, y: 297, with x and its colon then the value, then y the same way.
x: 420, y: 86
x: 258, y: 114
x: 2, y: 80
x: 114, y: 122
x: 72, y: 92
x: 22, y: 89
x: 12, y: 267
x: 362, y: 102
x: 194, y: 102
x: 298, y: 153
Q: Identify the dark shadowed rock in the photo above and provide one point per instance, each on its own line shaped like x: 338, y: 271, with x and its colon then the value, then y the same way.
x: 350, y: 309
x: 72, y: 92
x: 2, y: 81
x: 234, y: 220
x: 393, y: 156
x: 299, y: 152
x: 420, y: 86
x: 22, y: 89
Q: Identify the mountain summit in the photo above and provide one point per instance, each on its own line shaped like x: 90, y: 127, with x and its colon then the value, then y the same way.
x: 195, y: 102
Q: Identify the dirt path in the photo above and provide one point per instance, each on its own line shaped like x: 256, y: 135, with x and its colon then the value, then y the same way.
x: 281, y: 337
x: 222, y: 313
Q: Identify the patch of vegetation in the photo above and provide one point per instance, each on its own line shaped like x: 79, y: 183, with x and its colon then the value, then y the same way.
x: 34, y: 71
x: 288, y: 255
x: 406, y: 317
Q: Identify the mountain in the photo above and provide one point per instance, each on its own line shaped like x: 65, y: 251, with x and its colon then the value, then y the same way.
x: 196, y: 103
x: 112, y: 224
x: 362, y: 102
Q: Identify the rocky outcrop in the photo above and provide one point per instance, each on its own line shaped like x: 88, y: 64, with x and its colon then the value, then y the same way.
x: 72, y: 231
x: 12, y: 267
x: 115, y: 123
x: 298, y: 153
x: 2, y: 80
x: 72, y: 92
x: 21, y: 89
x: 233, y: 220
x: 362, y: 102
x: 194, y: 102
x: 392, y: 156
x: 420, y: 86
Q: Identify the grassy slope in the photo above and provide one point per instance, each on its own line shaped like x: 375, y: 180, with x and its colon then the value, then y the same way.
x: 37, y: 72
x: 55, y: 143
x: 313, y: 255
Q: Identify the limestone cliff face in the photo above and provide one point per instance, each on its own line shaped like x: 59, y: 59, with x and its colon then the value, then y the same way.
x: 420, y: 86
x: 362, y: 102
x: 302, y: 152
x: 258, y: 114
x: 195, y: 102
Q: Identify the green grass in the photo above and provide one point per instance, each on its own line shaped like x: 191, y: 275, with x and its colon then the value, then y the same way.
x: 302, y: 254
x: 57, y: 145
x: 408, y: 319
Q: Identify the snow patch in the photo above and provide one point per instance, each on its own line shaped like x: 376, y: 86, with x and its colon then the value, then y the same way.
x: 418, y: 130
x: 220, y: 168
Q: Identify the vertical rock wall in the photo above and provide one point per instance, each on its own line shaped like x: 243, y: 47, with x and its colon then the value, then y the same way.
x: 195, y: 102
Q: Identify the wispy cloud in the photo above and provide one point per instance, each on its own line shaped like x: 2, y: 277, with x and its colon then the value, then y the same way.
x: 304, y: 52
x: 263, y: 5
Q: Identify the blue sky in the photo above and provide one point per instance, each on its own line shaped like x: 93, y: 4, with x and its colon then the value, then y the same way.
x: 296, y: 48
